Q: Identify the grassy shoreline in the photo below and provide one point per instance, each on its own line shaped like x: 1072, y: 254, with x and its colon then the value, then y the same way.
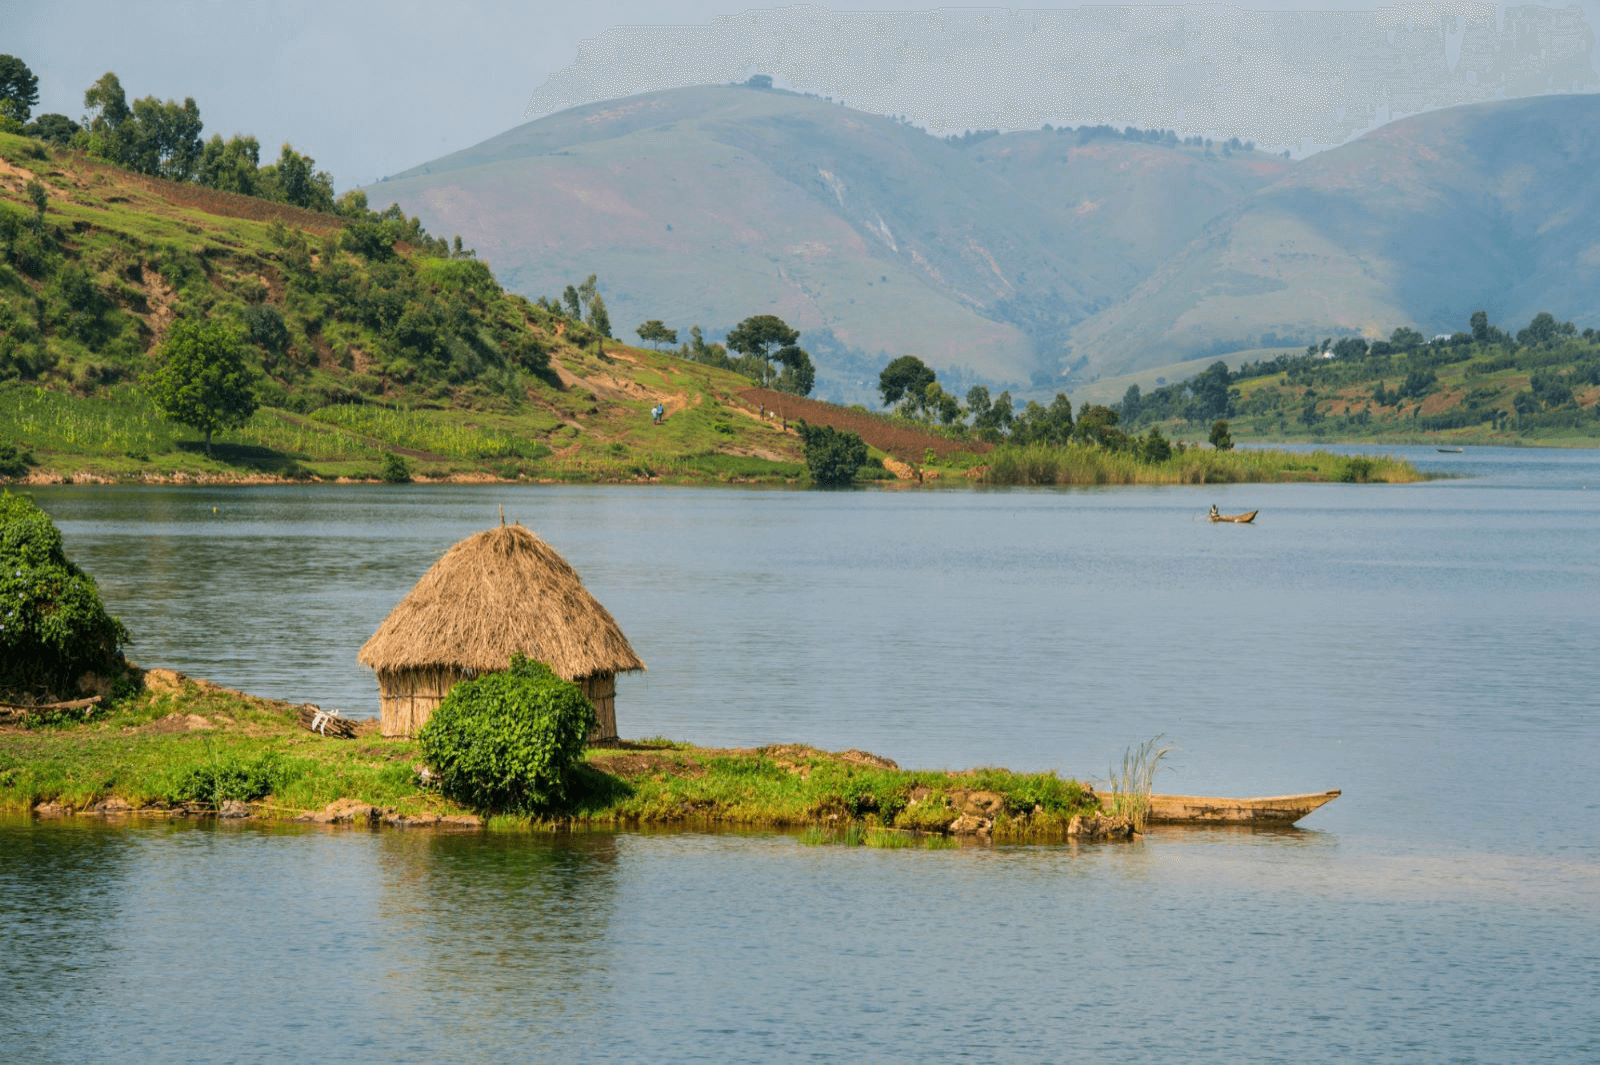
x: 183, y: 747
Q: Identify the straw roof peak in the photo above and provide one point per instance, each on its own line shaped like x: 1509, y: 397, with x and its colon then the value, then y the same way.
x: 497, y: 593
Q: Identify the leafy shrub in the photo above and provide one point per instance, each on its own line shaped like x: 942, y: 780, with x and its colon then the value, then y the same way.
x: 509, y: 741
x: 832, y: 455
x: 53, y: 627
x: 395, y: 469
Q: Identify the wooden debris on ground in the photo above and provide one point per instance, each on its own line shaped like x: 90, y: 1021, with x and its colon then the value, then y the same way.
x: 11, y: 712
x: 326, y: 722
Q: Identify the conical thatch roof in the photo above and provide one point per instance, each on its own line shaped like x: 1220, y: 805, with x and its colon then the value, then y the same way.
x: 499, y: 593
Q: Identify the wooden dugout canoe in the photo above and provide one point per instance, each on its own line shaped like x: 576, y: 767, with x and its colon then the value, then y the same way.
x: 1241, y: 519
x: 1271, y: 811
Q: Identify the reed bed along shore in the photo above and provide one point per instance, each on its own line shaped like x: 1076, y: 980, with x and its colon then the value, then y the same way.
x: 1083, y: 465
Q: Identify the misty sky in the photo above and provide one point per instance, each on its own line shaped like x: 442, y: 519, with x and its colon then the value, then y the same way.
x: 366, y: 88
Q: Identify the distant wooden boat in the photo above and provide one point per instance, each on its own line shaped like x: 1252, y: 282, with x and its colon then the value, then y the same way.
x: 1241, y: 519
x: 1275, y: 810
x: 1450, y: 450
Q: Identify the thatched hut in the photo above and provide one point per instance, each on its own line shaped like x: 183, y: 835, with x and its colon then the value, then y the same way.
x: 499, y: 593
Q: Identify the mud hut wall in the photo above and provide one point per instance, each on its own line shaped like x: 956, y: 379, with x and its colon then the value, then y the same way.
x: 601, y: 690
x: 409, y: 696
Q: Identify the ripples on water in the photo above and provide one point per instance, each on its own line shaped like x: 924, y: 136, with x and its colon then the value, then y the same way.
x: 1427, y: 648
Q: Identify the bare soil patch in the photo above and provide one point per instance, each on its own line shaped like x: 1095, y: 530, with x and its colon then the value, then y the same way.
x: 907, y: 445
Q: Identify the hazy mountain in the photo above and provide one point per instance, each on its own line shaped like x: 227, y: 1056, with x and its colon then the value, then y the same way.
x: 1421, y: 222
x: 1044, y: 256
x: 709, y: 204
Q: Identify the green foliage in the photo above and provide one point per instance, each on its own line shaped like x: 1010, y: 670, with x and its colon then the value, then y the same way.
x: 906, y: 377
x: 655, y: 333
x: 53, y: 627
x: 832, y: 455
x: 1154, y: 447
x: 756, y: 338
x: 19, y: 89
x: 1220, y: 438
x: 395, y: 469
x: 509, y: 741
x: 233, y: 778
x: 599, y: 320
x: 14, y: 461
x: 203, y: 381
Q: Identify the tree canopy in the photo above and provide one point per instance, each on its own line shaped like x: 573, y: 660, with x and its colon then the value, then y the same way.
x: 832, y: 455
x: 907, y: 377
x: 655, y: 333
x: 19, y: 89
x: 758, y: 335
x: 202, y: 381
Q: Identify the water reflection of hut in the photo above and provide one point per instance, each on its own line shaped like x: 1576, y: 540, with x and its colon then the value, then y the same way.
x: 499, y: 593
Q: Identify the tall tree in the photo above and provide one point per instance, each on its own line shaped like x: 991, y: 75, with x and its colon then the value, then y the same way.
x: 202, y: 381
x: 908, y: 378
x: 655, y: 333
x: 758, y: 335
x: 110, y: 132
x: 19, y: 89
x: 599, y: 320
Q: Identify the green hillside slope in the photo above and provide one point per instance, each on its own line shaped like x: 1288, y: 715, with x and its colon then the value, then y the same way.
x: 371, y: 357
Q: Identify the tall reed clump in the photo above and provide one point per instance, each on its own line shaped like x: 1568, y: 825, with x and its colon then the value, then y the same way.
x: 1130, y: 786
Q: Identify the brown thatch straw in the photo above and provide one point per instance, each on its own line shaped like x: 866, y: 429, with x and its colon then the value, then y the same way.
x: 499, y: 593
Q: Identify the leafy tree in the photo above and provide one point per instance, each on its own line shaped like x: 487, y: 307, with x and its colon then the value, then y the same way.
x: 907, y: 377
x: 1350, y: 348
x: 52, y: 127
x: 232, y: 166
x: 110, y: 132
x: 1544, y: 329
x: 53, y: 626
x: 1130, y: 405
x: 165, y: 139
x: 758, y: 335
x: 1154, y: 447
x: 203, y: 381
x: 832, y: 455
x: 19, y: 89
x: 938, y: 402
x: 264, y: 327
x: 1405, y: 338
x: 599, y: 320
x: 655, y: 333
x: 978, y: 404
x: 295, y: 180
x: 1212, y: 398
x: 1480, y: 326
x: 1097, y: 424
x: 569, y: 299
x: 1220, y: 438
x: 798, y: 375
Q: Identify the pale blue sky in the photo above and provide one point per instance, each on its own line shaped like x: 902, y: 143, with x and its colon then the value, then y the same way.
x: 367, y: 88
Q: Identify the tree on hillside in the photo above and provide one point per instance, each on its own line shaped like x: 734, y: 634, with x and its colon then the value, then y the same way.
x: 1212, y: 398
x: 569, y: 302
x: 758, y: 336
x: 19, y: 89
x: 109, y: 129
x: 655, y: 333
x: 57, y: 129
x: 908, y: 378
x: 599, y: 320
x: 1220, y: 438
x: 202, y: 381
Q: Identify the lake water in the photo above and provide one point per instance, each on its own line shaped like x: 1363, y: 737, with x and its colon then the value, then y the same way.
x: 1430, y: 649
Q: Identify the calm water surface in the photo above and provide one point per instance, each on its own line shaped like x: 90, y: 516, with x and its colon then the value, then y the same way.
x: 1430, y: 649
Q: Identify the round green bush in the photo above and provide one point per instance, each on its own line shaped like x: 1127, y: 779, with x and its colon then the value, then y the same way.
x: 53, y: 627
x: 508, y: 741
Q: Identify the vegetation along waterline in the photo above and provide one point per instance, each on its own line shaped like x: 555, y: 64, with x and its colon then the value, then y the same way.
x: 180, y: 746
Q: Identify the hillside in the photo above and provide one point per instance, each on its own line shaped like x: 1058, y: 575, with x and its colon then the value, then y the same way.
x: 1027, y: 260
x: 871, y: 236
x: 1488, y: 207
x: 370, y: 355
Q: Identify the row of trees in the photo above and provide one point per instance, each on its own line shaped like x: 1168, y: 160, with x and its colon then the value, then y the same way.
x: 163, y: 138
x: 768, y: 348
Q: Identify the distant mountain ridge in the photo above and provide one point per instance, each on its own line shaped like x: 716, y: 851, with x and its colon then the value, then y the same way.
x: 1040, y: 258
